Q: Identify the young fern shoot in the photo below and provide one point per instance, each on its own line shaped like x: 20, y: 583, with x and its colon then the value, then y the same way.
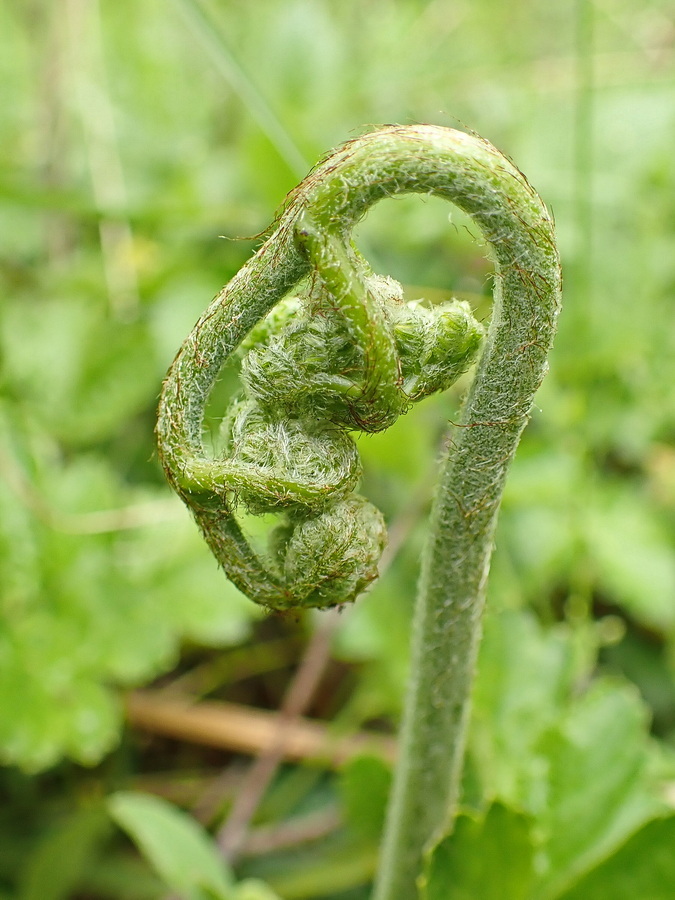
x: 348, y: 354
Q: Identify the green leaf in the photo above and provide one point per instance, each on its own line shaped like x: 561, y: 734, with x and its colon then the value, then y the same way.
x: 577, y: 763
x: 365, y: 787
x: 86, y: 374
x: 643, y: 869
x: 633, y: 553
x: 598, y: 793
x: 57, y: 864
x: 488, y: 859
x: 174, y: 844
x: 523, y: 682
x: 87, y: 603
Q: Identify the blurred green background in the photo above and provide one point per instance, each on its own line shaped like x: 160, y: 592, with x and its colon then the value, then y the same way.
x: 141, y: 145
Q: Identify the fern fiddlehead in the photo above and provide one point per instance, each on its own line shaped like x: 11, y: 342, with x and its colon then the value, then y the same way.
x: 353, y: 356
x: 347, y: 355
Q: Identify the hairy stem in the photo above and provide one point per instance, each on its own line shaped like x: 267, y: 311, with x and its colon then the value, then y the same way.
x: 313, y: 235
x: 455, y: 566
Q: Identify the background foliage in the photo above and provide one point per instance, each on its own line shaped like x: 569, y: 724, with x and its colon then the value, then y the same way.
x: 132, y: 137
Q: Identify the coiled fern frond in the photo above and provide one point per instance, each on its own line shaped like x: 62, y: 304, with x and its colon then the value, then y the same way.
x: 344, y: 354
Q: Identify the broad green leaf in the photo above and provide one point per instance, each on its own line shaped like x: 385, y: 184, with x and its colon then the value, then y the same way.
x: 88, y: 374
x: 642, y: 869
x: 523, y: 683
x: 59, y: 861
x: 598, y: 792
x: 364, y: 784
x: 537, y: 535
x: 632, y: 550
x: 83, y: 610
x: 490, y: 858
x: 577, y: 763
x: 174, y: 844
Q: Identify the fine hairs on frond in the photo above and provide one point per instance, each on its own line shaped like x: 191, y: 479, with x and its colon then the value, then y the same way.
x: 333, y: 557
x: 313, y: 365
x: 290, y: 451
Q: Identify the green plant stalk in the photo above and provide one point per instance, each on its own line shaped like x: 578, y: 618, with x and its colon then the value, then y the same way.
x: 455, y: 565
x: 470, y: 173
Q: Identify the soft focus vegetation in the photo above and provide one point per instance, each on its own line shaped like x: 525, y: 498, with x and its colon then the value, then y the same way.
x: 141, y: 146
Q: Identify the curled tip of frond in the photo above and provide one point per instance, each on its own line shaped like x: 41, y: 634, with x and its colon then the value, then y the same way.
x: 332, y: 557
